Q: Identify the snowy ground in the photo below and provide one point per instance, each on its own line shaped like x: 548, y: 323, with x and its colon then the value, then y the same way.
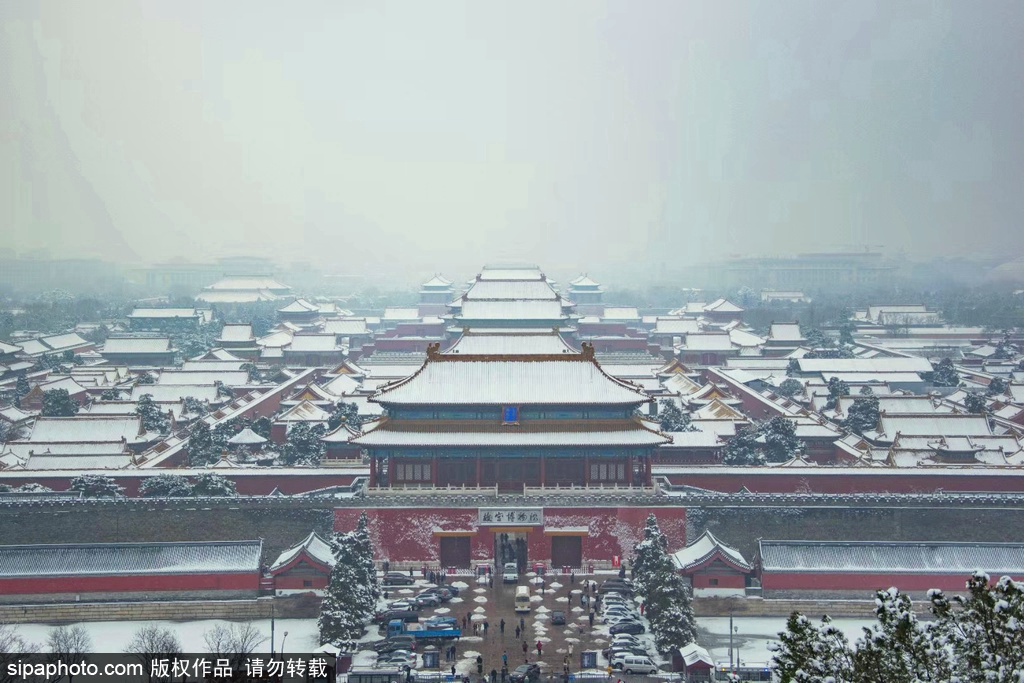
x: 111, y: 636
x: 753, y: 635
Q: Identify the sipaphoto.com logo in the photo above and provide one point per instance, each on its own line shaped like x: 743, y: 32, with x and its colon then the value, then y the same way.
x: 58, y: 669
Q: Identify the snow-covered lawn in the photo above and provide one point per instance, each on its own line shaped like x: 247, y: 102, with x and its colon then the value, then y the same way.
x: 753, y: 635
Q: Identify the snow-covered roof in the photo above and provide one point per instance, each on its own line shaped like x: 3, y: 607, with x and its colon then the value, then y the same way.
x: 237, y: 332
x: 584, y: 281
x: 502, y: 290
x: 236, y: 296
x: 891, y: 558
x: 707, y: 342
x: 66, y: 448
x: 745, y: 338
x: 304, y: 411
x: 789, y: 332
x: 82, y: 462
x: 437, y: 281
x: 68, y: 384
x: 512, y: 310
x: 692, y: 654
x: 703, y: 549
x: 341, y: 385
x: 395, y: 433
x: 510, y: 273
x: 722, y: 306
x: 551, y: 380
x: 217, y: 354
x: 275, y: 339
x: 137, y: 345
x: 698, y: 439
x: 864, y: 365
x: 676, y: 326
x: 6, y: 348
x: 130, y: 559
x: 46, y: 429
x: 346, y: 327
x: 501, y: 344
x: 164, y: 313
x: 315, y: 546
x: 300, y: 306
x: 212, y: 365
x: 312, y: 342
x: 13, y: 414
x: 865, y: 377
x: 230, y: 378
x: 897, y: 405
x: 243, y: 283
x: 247, y: 437
x: 173, y: 393
x: 934, y: 425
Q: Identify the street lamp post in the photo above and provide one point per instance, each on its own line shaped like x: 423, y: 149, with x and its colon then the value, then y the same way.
x: 272, y: 628
x: 731, y: 641
x: 283, y: 642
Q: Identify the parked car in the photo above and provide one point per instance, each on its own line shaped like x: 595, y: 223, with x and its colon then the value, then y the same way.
x: 621, y: 651
x: 398, y: 658
x: 638, y: 665
x: 438, y: 623
x: 625, y: 639
x: 618, y: 588
x: 525, y: 673
x: 633, y: 627
x: 398, y: 579
x: 395, y: 643
x: 558, y: 618
x: 404, y: 605
x: 442, y: 592
x: 427, y: 600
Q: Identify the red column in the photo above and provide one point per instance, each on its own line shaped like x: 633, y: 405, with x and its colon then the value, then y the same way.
x: 647, y: 471
x: 587, y: 469
x: 630, y: 471
x: 391, y: 470
x: 434, y: 470
x: 543, y: 473
x: 373, y: 471
x: 478, y: 471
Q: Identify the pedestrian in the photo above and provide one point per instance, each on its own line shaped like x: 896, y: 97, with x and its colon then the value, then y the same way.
x: 524, y: 648
x: 501, y: 627
x: 505, y: 658
x: 590, y: 618
x: 491, y: 581
x: 517, y: 633
x: 386, y: 595
x: 453, y: 666
x: 494, y: 676
x: 608, y: 670
x: 523, y: 624
x: 622, y: 571
x: 410, y: 572
x: 642, y: 609
x: 540, y: 646
x: 386, y: 565
x: 485, y: 629
x: 480, y: 665
x: 572, y: 578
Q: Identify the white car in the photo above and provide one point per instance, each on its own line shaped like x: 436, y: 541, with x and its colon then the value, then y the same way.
x: 634, y: 664
x: 625, y: 639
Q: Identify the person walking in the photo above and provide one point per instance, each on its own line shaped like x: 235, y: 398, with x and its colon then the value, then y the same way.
x: 523, y: 624
x: 590, y: 618
x: 505, y: 659
x: 485, y: 629
x: 524, y: 650
x: 501, y: 627
x: 517, y: 633
x: 453, y: 669
x: 540, y: 647
x: 480, y: 665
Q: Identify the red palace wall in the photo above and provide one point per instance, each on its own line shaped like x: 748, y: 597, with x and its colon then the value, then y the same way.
x: 702, y: 580
x: 844, y: 481
x: 864, y: 582
x: 130, y: 584
x: 411, y: 534
x: 285, y: 582
x: 248, y: 485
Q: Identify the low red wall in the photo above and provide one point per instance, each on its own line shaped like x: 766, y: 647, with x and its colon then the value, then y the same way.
x: 130, y: 584
x: 864, y: 581
x: 830, y: 480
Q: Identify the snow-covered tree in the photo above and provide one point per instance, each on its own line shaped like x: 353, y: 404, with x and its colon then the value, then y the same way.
x: 363, y: 549
x: 58, y: 403
x: 145, y: 378
x: 33, y: 488
x: 350, y: 598
x: 96, y: 486
x: 214, y: 485
x: 193, y: 406
x: 975, y: 402
x: 672, y: 418
x: 69, y: 644
x: 789, y: 387
x: 153, y: 418
x: 983, y: 629
x: 165, y: 486
x: 898, y: 648
x: 261, y: 426
x: 345, y: 413
x: 781, y: 442
x: 21, y: 387
x: 234, y: 642
x: 110, y: 395
x: 744, y: 448
x: 863, y: 415
x: 837, y: 388
x: 996, y: 387
x: 153, y: 642
x: 666, y: 597
x: 793, y: 367
x: 202, y: 450
x: 812, y: 653
x: 944, y: 374
x: 303, y: 446
x: 847, y: 333
x: 866, y: 390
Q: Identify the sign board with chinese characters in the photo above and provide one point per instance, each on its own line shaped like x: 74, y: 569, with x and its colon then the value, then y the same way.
x: 510, y: 516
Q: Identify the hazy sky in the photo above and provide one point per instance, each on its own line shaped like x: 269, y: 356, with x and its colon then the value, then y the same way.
x: 365, y: 135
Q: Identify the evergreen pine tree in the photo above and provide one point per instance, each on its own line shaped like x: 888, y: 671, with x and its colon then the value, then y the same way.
x: 348, y: 601
x: 743, y: 448
x: 666, y: 597
x: 789, y: 387
x: 837, y: 388
x: 58, y: 403
x: 975, y: 402
x: 945, y: 375
x: 202, y: 450
x: 863, y: 415
x: 808, y: 653
x: 303, y: 446
x: 153, y: 418
x: 781, y: 442
x: 672, y: 418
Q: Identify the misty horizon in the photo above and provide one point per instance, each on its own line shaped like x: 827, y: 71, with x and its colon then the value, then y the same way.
x: 370, y: 139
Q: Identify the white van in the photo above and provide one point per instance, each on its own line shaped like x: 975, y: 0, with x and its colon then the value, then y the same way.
x: 637, y: 664
x: 510, y: 573
x: 522, y: 601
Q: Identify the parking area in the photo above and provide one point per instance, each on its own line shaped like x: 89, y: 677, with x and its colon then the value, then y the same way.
x: 495, y: 632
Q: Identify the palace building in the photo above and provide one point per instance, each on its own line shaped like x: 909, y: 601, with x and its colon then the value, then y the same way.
x: 510, y: 421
